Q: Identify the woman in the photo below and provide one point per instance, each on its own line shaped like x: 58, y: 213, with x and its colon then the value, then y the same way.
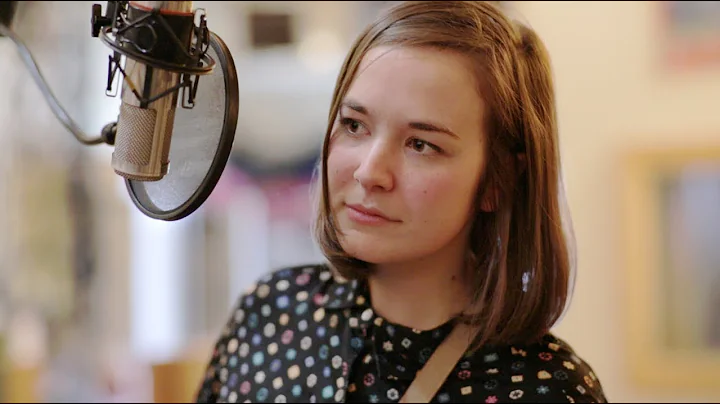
x: 439, y: 209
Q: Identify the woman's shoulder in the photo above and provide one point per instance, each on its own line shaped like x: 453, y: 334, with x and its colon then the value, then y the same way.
x: 545, y: 371
x: 315, y: 285
x: 313, y: 282
x: 270, y: 300
x: 288, y: 279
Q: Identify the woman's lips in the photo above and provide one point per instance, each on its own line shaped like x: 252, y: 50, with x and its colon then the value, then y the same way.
x: 367, y: 215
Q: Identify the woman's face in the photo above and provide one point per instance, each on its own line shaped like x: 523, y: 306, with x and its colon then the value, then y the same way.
x: 406, y: 155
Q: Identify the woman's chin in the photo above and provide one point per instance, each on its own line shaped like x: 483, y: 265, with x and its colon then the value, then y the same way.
x: 374, y: 250
x: 370, y: 251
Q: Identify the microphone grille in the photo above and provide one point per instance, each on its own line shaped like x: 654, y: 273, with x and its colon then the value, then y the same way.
x: 135, y: 130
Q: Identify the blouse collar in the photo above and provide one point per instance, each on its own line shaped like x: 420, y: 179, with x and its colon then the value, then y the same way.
x: 399, y: 351
x: 336, y: 292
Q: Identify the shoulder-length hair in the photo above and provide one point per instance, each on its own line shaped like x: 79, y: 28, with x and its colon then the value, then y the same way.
x: 520, y: 257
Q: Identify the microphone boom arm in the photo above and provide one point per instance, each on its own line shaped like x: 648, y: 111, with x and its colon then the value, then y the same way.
x: 108, y: 133
x: 193, y: 64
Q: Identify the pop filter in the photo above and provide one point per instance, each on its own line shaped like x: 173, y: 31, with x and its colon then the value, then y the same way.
x: 201, y: 143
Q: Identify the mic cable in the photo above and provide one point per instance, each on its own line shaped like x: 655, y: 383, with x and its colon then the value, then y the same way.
x: 108, y: 133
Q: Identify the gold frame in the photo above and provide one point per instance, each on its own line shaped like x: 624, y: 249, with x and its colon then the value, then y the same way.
x: 648, y: 363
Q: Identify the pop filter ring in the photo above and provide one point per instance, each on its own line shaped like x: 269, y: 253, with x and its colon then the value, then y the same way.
x: 222, y: 153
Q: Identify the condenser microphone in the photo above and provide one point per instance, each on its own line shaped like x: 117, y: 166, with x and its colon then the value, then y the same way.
x: 173, y: 137
x: 149, y: 94
x: 145, y: 123
x: 171, y: 141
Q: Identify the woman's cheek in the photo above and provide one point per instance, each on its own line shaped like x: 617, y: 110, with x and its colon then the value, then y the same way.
x: 435, y: 193
x: 339, y: 167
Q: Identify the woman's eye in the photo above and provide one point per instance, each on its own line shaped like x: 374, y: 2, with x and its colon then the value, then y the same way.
x: 418, y: 145
x: 423, y: 147
x: 352, y: 126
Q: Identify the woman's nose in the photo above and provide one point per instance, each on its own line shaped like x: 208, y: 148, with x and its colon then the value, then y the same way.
x: 375, y: 170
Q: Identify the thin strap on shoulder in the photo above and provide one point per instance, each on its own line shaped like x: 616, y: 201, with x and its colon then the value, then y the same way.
x: 436, y: 370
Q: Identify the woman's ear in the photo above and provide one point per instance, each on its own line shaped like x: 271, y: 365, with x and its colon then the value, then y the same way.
x: 521, y: 163
x: 490, y: 199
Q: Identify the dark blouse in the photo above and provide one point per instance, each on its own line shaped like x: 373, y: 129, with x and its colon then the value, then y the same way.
x: 303, y: 335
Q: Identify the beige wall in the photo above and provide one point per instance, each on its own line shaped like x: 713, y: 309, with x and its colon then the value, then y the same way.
x: 612, y: 96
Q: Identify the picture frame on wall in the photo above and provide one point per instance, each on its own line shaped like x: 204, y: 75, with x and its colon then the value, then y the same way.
x: 689, y: 33
x: 671, y: 243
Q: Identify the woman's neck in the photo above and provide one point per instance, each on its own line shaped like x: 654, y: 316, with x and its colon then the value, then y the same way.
x: 421, y: 295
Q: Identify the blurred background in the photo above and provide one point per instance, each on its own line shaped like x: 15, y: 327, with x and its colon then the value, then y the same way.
x: 99, y: 303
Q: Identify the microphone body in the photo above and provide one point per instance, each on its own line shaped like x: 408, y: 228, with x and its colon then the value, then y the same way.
x: 145, y: 123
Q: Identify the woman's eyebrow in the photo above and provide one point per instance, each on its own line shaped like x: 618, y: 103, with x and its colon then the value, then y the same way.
x: 431, y: 127
x: 355, y: 106
x: 417, y: 125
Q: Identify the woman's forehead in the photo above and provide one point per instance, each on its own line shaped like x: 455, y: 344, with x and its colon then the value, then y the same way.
x: 423, y: 82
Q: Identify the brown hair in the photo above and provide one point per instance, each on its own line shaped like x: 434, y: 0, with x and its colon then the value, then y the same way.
x: 520, y: 259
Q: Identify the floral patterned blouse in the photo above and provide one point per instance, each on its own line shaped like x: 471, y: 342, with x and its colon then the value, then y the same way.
x: 303, y: 335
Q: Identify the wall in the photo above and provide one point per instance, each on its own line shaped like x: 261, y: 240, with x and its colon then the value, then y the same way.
x: 612, y: 97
